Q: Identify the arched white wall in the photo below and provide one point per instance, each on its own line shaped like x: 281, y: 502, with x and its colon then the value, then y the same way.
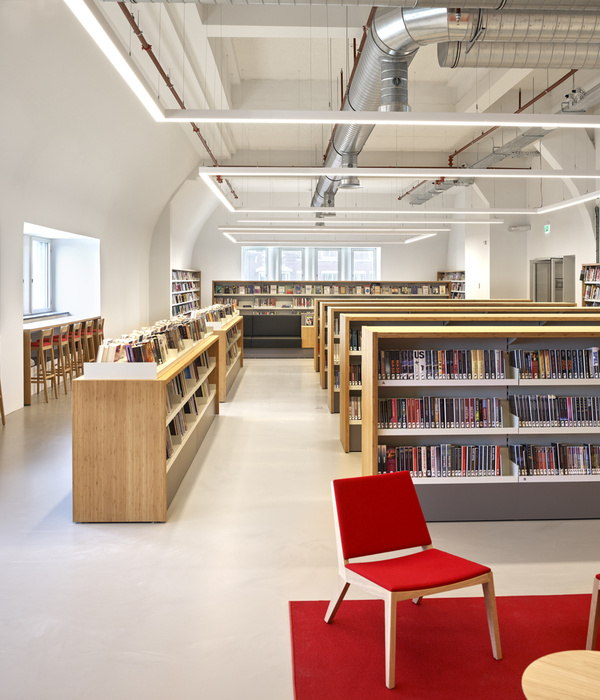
x: 79, y: 154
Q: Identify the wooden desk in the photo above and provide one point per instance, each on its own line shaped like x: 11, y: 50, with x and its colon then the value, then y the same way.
x: 34, y: 327
x: 566, y: 675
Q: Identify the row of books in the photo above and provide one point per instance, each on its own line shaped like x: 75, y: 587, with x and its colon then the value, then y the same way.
x: 556, y: 459
x: 582, y: 363
x: 332, y: 289
x: 433, y: 412
x: 179, y: 386
x: 354, y: 340
x: 549, y: 411
x: 184, y: 275
x: 179, y: 425
x: 184, y: 287
x: 184, y: 297
x: 231, y: 355
x: 440, y: 364
x: 232, y: 335
x: 592, y: 293
x: 355, y: 412
x: 438, y: 461
x: 153, y: 344
x: 591, y: 274
x: 355, y: 375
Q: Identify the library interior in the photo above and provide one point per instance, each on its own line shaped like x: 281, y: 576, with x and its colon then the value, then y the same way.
x: 246, y: 394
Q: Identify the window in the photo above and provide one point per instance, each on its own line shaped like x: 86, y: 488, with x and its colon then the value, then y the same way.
x: 363, y: 264
x: 254, y: 263
x: 310, y: 263
x: 328, y: 264
x: 37, y: 275
x: 291, y: 263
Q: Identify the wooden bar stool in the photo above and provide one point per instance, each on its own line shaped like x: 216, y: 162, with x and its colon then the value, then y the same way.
x: 594, y: 616
x: 87, y: 341
x: 45, y: 368
x: 98, y: 332
x: 62, y: 355
x: 2, y: 407
x: 76, y: 344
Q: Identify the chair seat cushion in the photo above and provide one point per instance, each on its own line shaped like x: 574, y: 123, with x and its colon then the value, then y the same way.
x: 427, y: 569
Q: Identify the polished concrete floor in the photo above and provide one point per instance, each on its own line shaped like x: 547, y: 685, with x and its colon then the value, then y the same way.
x: 197, y: 608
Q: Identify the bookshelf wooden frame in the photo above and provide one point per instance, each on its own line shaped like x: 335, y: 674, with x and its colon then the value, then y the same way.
x: 194, y: 292
x: 228, y: 371
x: 544, y: 315
x: 321, y: 345
x: 590, y: 287
x: 506, y: 497
x: 120, y: 469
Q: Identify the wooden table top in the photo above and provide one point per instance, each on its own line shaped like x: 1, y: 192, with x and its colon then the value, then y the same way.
x: 566, y: 675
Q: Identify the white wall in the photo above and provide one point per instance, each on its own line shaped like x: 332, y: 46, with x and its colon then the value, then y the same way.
x: 77, y: 276
x: 80, y: 154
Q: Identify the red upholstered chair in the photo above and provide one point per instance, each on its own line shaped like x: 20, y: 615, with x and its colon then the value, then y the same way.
x: 592, y: 634
x: 381, y: 514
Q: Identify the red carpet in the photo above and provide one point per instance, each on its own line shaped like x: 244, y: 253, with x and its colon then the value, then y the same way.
x: 443, y: 648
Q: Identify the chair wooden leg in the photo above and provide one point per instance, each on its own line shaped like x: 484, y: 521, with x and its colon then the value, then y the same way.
x: 592, y: 634
x: 390, y: 641
x: 42, y: 367
x: 492, y: 616
x: 337, y: 600
x: 2, y: 407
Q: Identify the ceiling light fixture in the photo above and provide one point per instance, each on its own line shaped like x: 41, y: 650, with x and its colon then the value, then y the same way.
x: 324, y: 230
x: 95, y: 25
x: 436, y: 119
x: 401, y: 173
x: 332, y: 220
x: 569, y: 202
x: 217, y: 191
x: 334, y: 243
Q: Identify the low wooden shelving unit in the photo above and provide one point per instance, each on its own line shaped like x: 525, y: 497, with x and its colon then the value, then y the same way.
x: 135, y: 433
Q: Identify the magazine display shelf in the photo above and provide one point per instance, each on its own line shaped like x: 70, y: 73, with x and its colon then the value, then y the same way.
x: 508, y: 496
x: 120, y: 421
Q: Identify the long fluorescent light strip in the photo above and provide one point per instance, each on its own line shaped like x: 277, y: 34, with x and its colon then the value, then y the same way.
x: 217, y: 191
x: 447, y: 119
x: 337, y: 243
x: 332, y: 220
x: 93, y: 27
x: 323, y: 229
x: 401, y: 173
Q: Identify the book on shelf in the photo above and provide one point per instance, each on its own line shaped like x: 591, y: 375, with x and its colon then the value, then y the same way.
x: 563, y: 363
x: 444, y: 364
x: 551, y: 411
x: 555, y: 459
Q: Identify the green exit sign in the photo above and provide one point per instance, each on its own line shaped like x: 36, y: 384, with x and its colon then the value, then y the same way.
x: 546, y: 229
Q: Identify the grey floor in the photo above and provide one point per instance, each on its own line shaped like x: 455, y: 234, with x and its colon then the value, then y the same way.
x: 197, y: 608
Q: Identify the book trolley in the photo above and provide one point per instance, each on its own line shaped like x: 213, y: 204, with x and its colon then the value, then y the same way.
x: 511, y: 433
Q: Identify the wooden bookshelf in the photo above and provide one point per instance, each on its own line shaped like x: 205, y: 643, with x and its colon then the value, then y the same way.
x: 590, y: 285
x: 508, y: 493
x: 456, y: 282
x: 231, y: 352
x: 350, y: 329
x: 185, y: 291
x: 121, y: 472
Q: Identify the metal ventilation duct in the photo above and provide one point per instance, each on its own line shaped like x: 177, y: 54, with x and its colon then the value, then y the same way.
x: 518, y: 55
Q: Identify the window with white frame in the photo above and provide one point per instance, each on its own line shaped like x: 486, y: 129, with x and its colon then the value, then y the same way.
x: 364, y: 264
x: 328, y: 264
x: 291, y: 263
x: 255, y: 263
x: 38, y: 282
x: 310, y: 263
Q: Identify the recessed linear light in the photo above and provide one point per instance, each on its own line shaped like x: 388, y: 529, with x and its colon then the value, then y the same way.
x: 92, y: 21
x: 332, y: 220
x: 390, y: 212
x: 447, y: 119
x: 401, y: 173
x: 325, y: 230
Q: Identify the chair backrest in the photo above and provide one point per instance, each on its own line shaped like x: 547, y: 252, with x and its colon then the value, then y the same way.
x: 377, y: 514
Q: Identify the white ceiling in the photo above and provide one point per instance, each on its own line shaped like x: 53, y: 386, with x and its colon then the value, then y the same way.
x: 291, y: 57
